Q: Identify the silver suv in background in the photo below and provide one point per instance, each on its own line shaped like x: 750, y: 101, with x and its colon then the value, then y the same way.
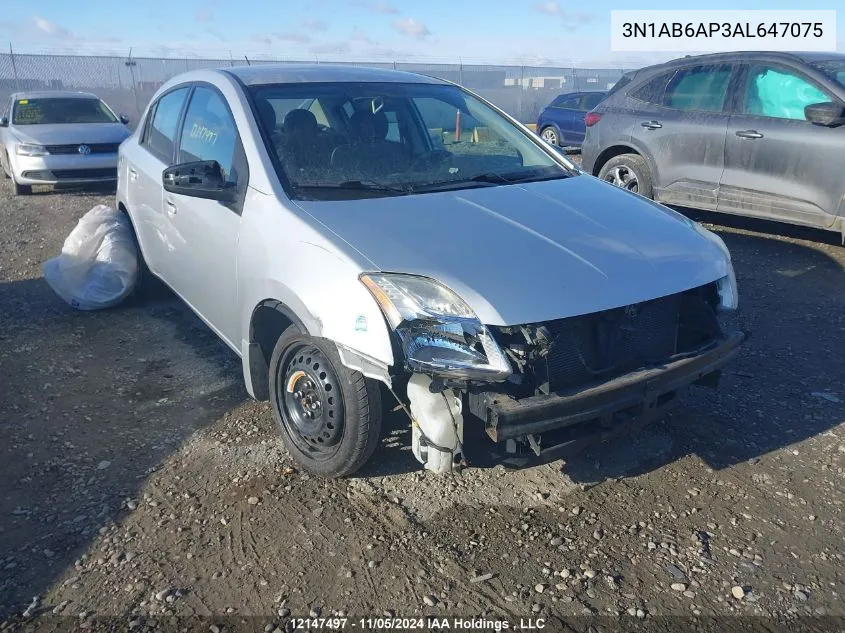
x: 59, y: 137
x: 354, y: 234
x: 756, y: 134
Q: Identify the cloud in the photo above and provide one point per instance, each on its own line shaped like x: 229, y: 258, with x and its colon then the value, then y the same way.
x: 551, y: 8
x: 314, y: 25
x: 216, y: 34
x: 264, y: 40
x: 382, y: 7
x: 292, y: 37
x: 205, y: 15
x: 360, y: 37
x: 411, y: 27
x: 331, y: 48
x: 52, y: 29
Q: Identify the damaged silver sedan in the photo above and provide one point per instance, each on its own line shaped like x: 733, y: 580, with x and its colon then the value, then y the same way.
x: 360, y: 235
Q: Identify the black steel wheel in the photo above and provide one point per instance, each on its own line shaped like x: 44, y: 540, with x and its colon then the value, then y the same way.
x: 329, y: 415
x: 313, y: 405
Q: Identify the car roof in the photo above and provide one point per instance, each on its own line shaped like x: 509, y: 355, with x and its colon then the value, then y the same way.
x: 323, y: 73
x: 805, y: 57
x: 583, y: 92
x: 52, y: 94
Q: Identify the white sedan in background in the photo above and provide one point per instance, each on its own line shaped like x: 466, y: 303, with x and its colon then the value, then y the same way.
x: 54, y: 137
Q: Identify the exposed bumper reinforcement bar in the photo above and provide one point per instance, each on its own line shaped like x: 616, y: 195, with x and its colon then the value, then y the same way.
x: 628, y: 400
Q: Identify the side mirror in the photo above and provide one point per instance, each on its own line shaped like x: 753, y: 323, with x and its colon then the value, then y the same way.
x: 124, y: 119
x: 828, y: 114
x: 4, y: 121
x: 200, y: 179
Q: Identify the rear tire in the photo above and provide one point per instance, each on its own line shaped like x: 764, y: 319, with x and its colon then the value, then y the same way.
x: 329, y: 415
x: 549, y: 134
x: 147, y: 285
x: 629, y: 171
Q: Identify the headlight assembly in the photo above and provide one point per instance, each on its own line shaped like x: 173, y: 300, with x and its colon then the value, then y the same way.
x: 440, y: 333
x: 728, y: 293
x: 30, y: 149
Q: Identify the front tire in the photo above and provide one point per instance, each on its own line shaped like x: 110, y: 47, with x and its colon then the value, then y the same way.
x: 549, y: 134
x: 629, y: 171
x: 329, y: 415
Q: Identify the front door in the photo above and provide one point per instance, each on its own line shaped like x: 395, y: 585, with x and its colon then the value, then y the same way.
x: 777, y: 164
x: 205, y: 232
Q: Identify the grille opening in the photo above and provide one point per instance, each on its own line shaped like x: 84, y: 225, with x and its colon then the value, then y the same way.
x: 576, y: 352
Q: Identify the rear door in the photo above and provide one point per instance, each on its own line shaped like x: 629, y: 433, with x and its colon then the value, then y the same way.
x: 777, y: 164
x: 204, y: 233
x: 567, y: 114
x: 681, y: 128
x: 145, y: 162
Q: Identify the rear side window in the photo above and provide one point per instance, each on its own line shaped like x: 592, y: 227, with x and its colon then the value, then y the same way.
x: 779, y: 93
x: 569, y: 103
x: 700, y: 88
x: 624, y: 80
x: 209, y: 132
x: 160, y: 135
x: 652, y: 91
x: 591, y: 101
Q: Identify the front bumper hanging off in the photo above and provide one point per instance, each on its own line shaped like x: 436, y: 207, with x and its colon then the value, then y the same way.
x: 600, y: 411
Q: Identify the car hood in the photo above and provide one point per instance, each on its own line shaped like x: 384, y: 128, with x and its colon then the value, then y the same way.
x: 532, y: 252
x: 71, y: 133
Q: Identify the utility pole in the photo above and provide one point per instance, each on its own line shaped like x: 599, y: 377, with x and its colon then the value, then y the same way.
x: 14, y: 68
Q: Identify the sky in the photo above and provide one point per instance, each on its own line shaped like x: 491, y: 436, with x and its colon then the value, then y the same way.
x: 540, y: 32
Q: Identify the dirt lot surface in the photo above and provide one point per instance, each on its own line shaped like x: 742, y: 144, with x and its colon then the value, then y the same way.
x: 138, y: 480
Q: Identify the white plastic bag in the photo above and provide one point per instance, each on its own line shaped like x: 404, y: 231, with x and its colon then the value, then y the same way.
x: 98, y: 266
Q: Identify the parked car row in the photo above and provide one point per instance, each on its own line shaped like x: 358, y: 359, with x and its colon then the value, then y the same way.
x: 359, y: 235
x: 754, y: 134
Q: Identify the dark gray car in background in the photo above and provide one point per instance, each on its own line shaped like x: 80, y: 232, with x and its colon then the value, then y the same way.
x: 756, y: 134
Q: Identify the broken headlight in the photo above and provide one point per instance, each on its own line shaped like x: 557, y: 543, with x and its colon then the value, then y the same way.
x: 440, y: 333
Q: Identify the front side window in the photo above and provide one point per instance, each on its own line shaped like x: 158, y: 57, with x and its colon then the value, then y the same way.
x: 779, y: 93
x: 700, y: 88
x: 61, y: 110
x: 833, y: 69
x: 393, y: 139
x: 160, y: 134
x: 209, y: 132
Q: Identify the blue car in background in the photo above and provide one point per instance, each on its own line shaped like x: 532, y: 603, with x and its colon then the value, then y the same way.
x: 561, y: 123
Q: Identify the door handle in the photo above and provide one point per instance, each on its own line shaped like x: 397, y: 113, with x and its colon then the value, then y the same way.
x: 133, y: 175
x: 651, y: 125
x: 749, y: 134
x: 171, y: 207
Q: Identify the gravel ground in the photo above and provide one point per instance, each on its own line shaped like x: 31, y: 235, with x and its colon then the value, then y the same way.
x: 139, y: 480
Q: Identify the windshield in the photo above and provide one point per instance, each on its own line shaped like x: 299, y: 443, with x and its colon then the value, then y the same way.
x: 55, y: 110
x: 833, y: 69
x: 348, y: 140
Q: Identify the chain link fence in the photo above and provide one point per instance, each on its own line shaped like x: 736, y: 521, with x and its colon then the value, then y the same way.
x: 127, y: 83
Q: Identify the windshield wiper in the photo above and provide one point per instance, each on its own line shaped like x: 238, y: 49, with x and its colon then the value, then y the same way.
x: 358, y: 185
x: 491, y: 179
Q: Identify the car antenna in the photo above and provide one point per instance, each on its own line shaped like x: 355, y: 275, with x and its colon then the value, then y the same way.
x: 247, y: 60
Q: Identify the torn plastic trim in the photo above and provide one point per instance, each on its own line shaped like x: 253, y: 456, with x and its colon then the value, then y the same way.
x: 367, y: 365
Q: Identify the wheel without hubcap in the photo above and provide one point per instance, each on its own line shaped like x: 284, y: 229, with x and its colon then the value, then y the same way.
x: 313, y: 406
x: 329, y: 415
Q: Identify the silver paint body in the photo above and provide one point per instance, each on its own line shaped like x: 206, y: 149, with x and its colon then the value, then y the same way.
x: 63, y: 134
x: 516, y: 253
